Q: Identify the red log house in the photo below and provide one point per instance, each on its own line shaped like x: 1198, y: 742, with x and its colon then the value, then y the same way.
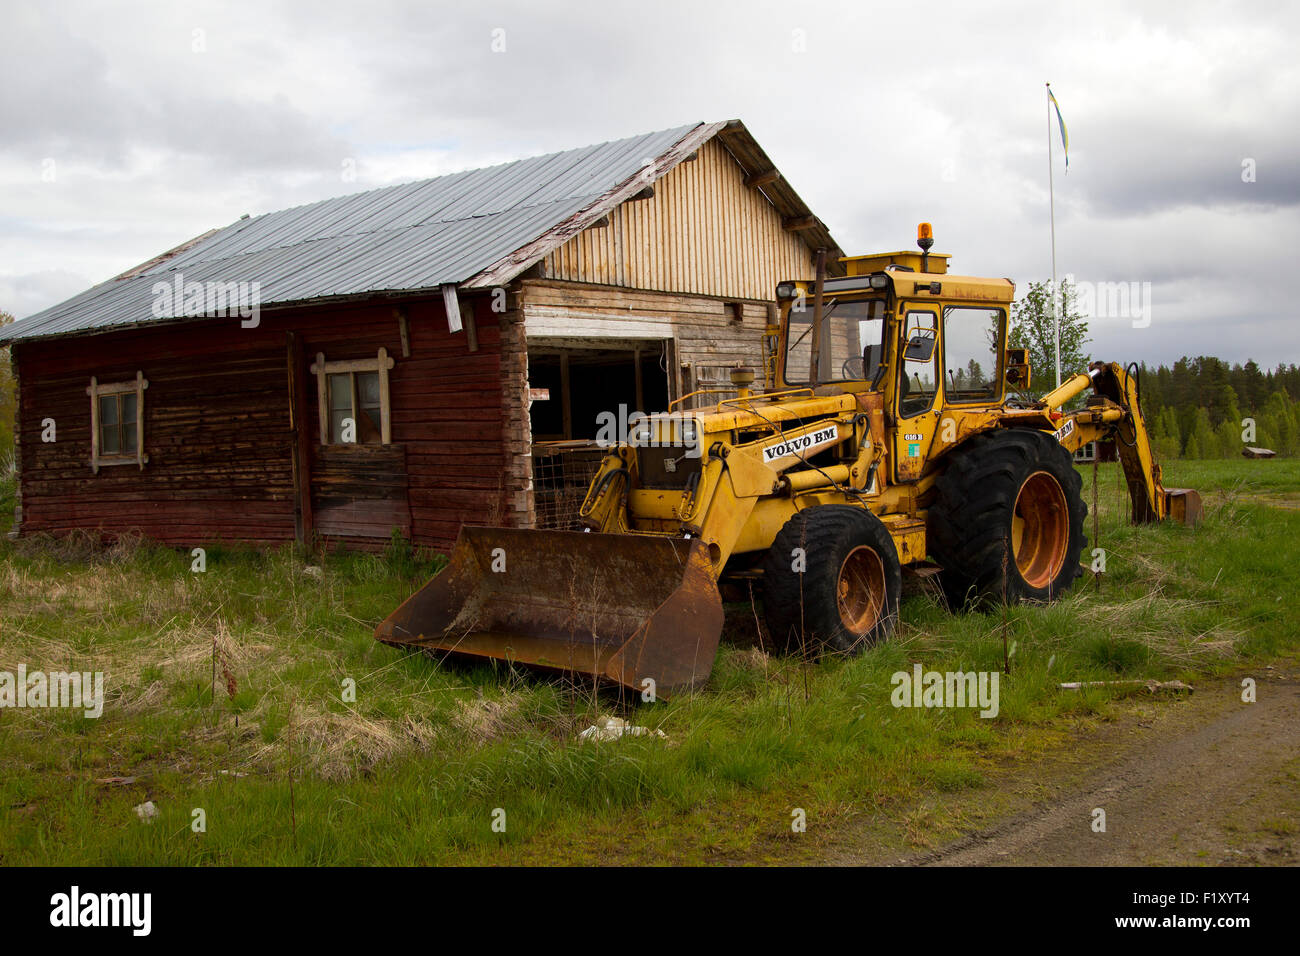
x: 419, y: 357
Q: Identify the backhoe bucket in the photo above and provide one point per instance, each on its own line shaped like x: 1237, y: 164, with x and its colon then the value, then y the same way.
x: 620, y: 606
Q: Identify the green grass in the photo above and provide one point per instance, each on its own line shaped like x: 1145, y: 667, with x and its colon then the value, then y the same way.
x: 413, y: 770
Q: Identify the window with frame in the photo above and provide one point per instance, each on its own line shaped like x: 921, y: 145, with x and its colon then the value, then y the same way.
x: 972, y: 352
x: 117, y: 422
x: 353, y: 400
x: 851, y: 343
x: 918, y: 372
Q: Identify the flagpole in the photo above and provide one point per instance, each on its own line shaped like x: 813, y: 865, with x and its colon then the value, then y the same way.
x: 1051, y: 194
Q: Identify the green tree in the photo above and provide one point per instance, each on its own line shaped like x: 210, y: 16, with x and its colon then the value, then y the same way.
x: 1201, y: 442
x: 1032, y: 329
x: 1165, y: 437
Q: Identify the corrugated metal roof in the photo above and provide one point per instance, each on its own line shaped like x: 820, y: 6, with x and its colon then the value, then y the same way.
x: 478, y: 228
x: 398, y: 238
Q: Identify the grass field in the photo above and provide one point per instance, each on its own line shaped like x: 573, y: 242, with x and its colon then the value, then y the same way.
x: 421, y: 764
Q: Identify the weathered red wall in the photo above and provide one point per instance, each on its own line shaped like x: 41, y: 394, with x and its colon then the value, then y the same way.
x: 217, y: 423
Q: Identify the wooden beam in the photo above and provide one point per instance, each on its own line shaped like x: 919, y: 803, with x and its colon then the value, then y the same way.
x: 646, y: 193
x: 322, y: 405
x: 600, y: 223
x: 471, y: 330
x: 799, y: 223
x: 762, y: 178
x: 300, y: 443
x: 566, y: 411
x: 640, y: 393
x: 451, y: 303
x: 733, y: 128
x: 385, y: 411
x: 404, y: 329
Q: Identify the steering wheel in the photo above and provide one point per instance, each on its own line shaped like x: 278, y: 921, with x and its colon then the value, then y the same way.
x: 853, y: 367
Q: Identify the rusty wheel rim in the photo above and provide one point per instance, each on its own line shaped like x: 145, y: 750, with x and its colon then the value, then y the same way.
x: 1040, y: 529
x: 860, y: 590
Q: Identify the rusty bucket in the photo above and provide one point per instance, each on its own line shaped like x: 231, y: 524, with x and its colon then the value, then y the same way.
x: 621, y: 607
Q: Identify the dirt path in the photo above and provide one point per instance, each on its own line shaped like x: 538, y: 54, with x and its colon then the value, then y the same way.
x: 1212, y: 781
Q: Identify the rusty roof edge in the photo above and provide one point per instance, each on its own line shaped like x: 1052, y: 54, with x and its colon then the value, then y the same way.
x: 169, y: 254
x: 520, y: 260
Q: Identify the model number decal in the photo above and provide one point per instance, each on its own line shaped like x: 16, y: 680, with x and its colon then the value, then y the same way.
x: 1065, y: 431
x: 801, y: 445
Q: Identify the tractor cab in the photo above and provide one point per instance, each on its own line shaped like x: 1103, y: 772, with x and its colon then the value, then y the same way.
x: 897, y: 323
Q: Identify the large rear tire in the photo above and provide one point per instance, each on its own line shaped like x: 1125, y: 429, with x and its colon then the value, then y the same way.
x: 839, y: 593
x: 1007, y: 520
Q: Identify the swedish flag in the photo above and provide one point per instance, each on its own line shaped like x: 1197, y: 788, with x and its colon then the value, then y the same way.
x: 1065, y: 137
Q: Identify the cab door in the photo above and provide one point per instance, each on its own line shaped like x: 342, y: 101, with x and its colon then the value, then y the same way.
x: 916, y: 399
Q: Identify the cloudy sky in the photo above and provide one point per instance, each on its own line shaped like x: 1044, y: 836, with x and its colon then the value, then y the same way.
x: 131, y: 127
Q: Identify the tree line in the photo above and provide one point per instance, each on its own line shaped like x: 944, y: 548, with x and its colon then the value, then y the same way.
x: 1205, y: 408
x: 1200, y: 407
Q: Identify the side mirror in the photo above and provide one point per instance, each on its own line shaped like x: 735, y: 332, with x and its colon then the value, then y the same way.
x: 920, y: 347
x: 1017, y: 368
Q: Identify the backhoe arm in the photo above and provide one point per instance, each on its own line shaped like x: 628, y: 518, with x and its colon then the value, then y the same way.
x: 1114, y: 410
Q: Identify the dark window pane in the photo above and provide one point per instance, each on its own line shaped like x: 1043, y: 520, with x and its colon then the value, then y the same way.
x: 108, y: 409
x: 108, y: 440
x: 340, y: 388
x: 127, y: 416
x: 368, y: 389
x: 128, y: 439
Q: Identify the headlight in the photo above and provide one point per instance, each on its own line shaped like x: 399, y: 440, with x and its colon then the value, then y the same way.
x: 786, y: 290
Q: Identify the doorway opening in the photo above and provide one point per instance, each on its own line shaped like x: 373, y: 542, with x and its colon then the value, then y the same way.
x: 572, y: 386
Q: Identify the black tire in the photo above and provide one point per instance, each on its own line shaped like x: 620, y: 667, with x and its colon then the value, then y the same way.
x: 990, y: 482
x: 848, y: 553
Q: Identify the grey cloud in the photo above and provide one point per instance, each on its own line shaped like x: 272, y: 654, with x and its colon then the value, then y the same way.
x: 1163, y: 104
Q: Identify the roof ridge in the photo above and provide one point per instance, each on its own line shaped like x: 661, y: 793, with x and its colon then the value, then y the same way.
x: 461, y: 172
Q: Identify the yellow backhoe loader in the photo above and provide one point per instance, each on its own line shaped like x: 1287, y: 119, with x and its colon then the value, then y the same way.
x: 894, y: 430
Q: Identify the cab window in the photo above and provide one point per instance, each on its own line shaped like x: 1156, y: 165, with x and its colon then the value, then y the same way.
x: 971, y: 350
x: 852, y: 341
x: 918, y: 372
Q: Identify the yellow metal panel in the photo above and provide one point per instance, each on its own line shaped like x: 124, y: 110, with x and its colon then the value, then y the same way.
x: 865, y: 265
x: 909, y: 537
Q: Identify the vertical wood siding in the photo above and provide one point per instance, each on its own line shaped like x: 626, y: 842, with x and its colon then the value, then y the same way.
x: 703, y: 231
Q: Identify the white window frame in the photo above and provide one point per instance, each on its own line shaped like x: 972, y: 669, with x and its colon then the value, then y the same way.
x: 97, y: 391
x: 323, y: 369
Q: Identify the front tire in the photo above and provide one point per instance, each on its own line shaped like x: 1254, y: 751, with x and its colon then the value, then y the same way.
x: 1007, y: 520
x: 845, y: 598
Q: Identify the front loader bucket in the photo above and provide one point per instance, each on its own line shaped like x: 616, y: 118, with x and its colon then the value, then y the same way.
x: 620, y: 606
x: 1183, y: 504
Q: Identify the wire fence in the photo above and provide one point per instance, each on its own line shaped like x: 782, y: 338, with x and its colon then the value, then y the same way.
x: 562, y: 473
